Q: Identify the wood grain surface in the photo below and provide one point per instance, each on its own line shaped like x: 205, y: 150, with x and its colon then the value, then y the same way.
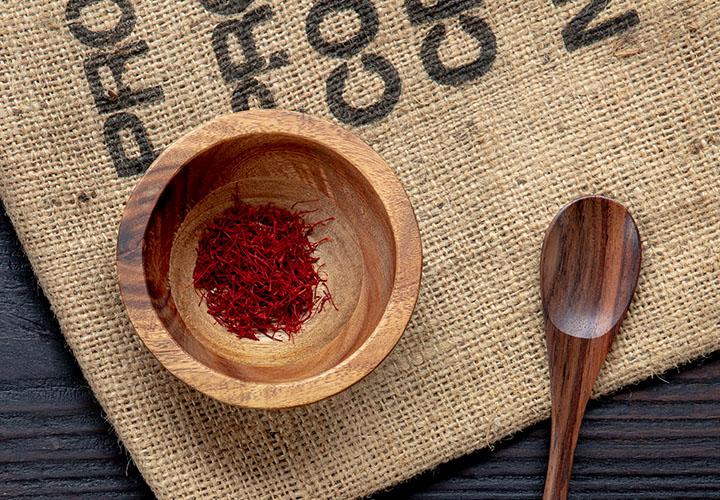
x: 373, y: 256
x: 656, y: 440
x: 589, y: 268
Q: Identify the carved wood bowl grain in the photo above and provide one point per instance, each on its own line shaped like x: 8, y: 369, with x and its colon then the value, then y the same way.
x: 373, y: 261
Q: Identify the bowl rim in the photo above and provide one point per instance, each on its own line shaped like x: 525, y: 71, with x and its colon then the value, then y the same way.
x: 251, y: 394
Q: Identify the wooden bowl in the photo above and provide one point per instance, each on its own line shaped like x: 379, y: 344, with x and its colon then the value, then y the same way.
x: 373, y: 261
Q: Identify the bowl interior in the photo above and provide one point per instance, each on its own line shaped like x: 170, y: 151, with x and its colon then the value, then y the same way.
x: 358, y: 261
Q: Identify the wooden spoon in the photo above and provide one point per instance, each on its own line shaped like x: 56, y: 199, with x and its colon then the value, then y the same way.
x: 588, y: 272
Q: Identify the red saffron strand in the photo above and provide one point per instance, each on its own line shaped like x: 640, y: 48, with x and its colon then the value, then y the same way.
x: 257, y: 272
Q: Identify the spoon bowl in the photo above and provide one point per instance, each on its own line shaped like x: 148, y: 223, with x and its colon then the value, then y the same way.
x: 589, y: 266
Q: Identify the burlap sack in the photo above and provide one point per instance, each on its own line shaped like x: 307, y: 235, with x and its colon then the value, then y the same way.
x: 493, y: 115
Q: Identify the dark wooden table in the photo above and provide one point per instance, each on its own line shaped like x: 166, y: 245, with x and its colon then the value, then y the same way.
x: 658, y: 440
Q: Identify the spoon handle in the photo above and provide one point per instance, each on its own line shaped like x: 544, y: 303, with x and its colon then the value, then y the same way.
x: 574, y: 365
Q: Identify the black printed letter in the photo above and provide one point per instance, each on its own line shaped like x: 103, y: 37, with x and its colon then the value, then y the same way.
x: 242, y: 30
x: 247, y: 88
x: 476, y: 28
x: 122, y: 97
x: 361, y: 116
x: 103, y: 38
x: 576, y: 34
x: 368, y: 27
x: 125, y: 166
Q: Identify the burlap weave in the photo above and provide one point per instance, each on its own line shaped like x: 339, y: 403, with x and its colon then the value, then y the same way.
x: 622, y: 101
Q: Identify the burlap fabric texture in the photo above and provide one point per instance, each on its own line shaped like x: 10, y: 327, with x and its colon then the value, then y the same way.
x: 493, y: 115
